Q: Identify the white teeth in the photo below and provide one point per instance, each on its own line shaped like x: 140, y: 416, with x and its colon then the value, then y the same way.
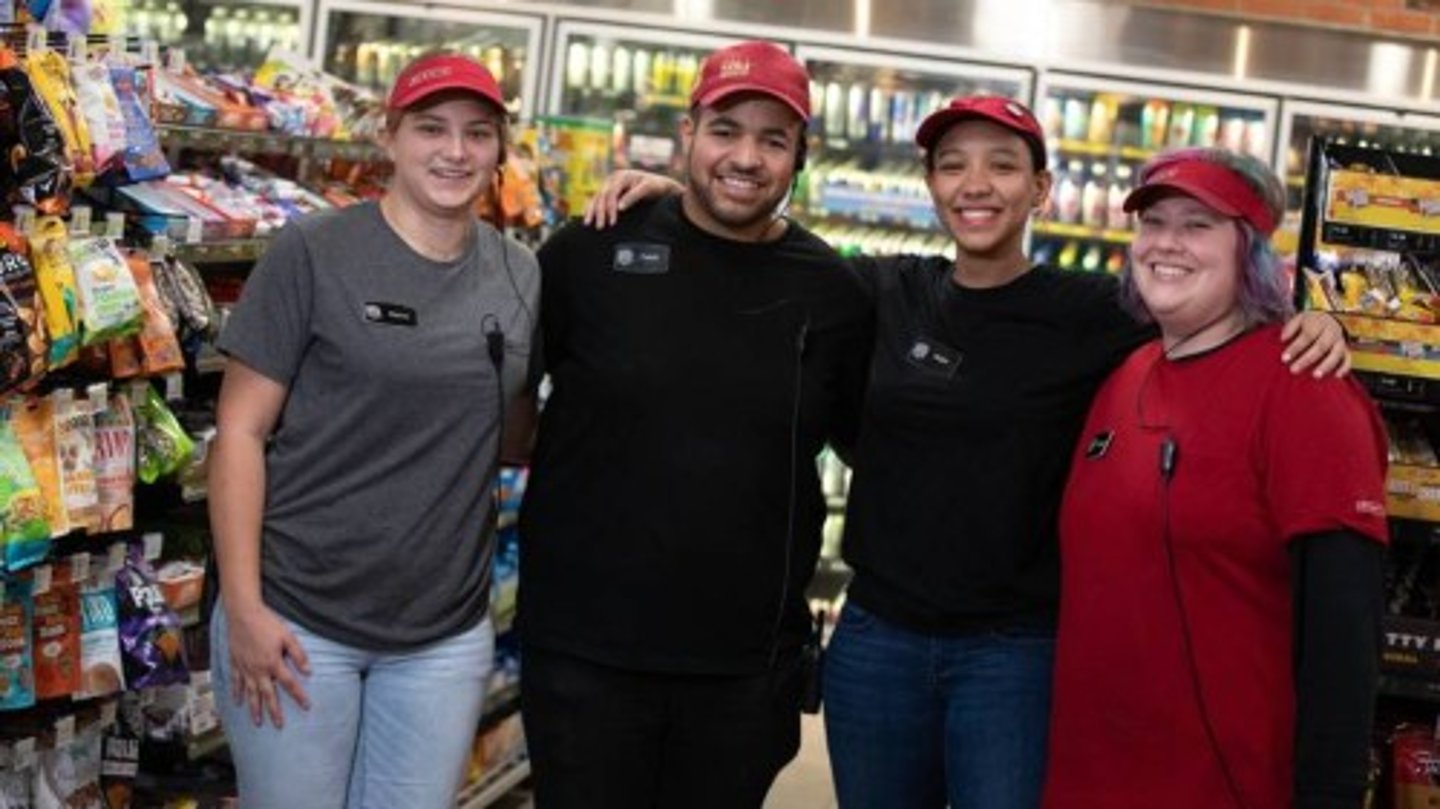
x: 977, y: 216
x: 1169, y: 271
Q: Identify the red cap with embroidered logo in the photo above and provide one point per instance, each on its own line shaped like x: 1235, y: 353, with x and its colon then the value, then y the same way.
x: 754, y: 67
x: 1006, y: 112
x: 439, y: 72
x: 1214, y: 184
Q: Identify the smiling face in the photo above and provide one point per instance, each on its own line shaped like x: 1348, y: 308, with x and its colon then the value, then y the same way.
x: 983, y: 182
x: 1186, y: 267
x: 739, y: 160
x: 445, y: 153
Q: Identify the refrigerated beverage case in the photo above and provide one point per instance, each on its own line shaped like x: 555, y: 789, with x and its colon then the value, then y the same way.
x: 1052, y: 118
x: 1232, y: 133
x: 1093, y: 257
x: 855, y: 118
x: 902, y: 116
x: 1255, y: 137
x: 1102, y: 121
x: 1067, y: 195
x: 577, y: 65
x: 662, y: 72
x: 877, y: 129
x: 1075, y: 122
x: 1094, y: 198
x: 599, y: 67
x: 687, y: 66
x: 1182, y: 124
x: 834, y: 110
x: 1116, y: 218
x: 640, y: 72
x: 620, y: 69
x: 1207, y: 127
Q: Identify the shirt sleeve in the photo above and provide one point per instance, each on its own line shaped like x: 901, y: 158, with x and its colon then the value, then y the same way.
x: 867, y: 270
x: 1322, y: 453
x: 552, y: 256
x: 270, y: 327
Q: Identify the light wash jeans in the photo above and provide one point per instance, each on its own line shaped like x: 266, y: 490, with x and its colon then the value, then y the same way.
x: 384, y: 730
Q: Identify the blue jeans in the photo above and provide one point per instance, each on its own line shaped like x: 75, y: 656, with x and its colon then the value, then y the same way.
x: 919, y: 721
x: 384, y: 729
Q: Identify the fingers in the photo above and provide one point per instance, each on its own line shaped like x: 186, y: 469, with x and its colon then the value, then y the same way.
x: 290, y: 647
x: 1308, y: 358
x: 1335, y: 362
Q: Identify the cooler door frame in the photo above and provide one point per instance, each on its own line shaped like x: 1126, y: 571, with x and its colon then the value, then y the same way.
x: 532, y: 24
x: 1292, y: 107
x: 1024, y: 77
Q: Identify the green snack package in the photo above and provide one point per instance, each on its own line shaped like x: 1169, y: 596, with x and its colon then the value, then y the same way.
x: 163, y: 444
x: 24, y: 533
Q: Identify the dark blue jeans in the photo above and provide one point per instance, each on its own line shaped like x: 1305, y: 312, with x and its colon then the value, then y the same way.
x: 920, y: 721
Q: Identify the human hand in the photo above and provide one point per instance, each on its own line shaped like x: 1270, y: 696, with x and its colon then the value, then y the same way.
x: 623, y: 189
x: 264, y: 654
x: 1315, y: 341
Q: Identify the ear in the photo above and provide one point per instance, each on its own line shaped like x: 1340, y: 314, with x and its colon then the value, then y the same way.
x: 1043, y: 182
x: 687, y: 133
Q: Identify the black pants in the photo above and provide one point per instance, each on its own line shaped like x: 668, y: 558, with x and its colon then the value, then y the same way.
x: 602, y: 737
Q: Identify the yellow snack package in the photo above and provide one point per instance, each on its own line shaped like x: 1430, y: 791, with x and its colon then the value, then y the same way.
x: 56, y: 278
x: 34, y: 421
x: 50, y: 76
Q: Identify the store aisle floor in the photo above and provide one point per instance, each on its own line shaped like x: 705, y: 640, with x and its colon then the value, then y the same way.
x: 805, y: 784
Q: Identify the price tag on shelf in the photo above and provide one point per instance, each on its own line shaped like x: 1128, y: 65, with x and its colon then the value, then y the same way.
x: 150, y: 52
x: 80, y: 220
x: 115, y: 43
x: 64, y: 731
x: 159, y: 246
x: 25, y: 220
x: 75, y: 47
x: 115, y: 225
x: 40, y: 580
x: 79, y: 568
x: 174, y: 387
x: 114, y: 557
x: 175, y: 60
x: 36, y: 40
x: 154, y: 544
x: 194, y: 230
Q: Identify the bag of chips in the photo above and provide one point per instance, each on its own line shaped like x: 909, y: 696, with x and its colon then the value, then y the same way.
x: 109, y: 301
x: 22, y: 336
x: 143, y: 158
x: 124, y: 357
x: 50, y: 76
x: 57, y: 637
x: 32, y: 141
x: 150, y: 632
x: 101, y: 670
x: 68, y: 775
x: 23, y: 531
x: 158, y: 346
x: 56, y: 278
x: 163, y: 444
x: 17, y: 666
x: 75, y: 447
x: 115, y: 462
x: 101, y: 110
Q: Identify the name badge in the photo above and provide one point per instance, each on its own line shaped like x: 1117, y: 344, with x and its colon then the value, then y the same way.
x: 390, y: 314
x: 641, y: 259
x: 934, y: 356
x: 1099, y: 445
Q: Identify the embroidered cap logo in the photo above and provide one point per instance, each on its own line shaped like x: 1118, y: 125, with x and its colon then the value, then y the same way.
x: 735, y: 68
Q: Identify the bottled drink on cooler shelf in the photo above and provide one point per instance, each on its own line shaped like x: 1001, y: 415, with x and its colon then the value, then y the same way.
x: 577, y: 65
x: 834, y: 110
x: 599, y: 67
x: 1154, y: 124
x: 855, y: 117
x: 1076, y: 121
x: 1116, y: 218
x: 1067, y: 194
x: 620, y: 69
x: 640, y: 72
x: 1207, y: 127
x: 1094, y: 198
x: 1182, y: 125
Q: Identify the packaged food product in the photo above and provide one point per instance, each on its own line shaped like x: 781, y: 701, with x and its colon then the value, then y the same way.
x: 163, y: 444
x: 23, y: 531
x: 67, y: 776
x: 1416, y: 767
x: 109, y: 301
x: 75, y: 447
x: 124, y: 357
x: 35, y: 149
x: 50, y: 76
x: 33, y: 419
x: 101, y: 669
x: 119, y: 764
x: 101, y: 110
x: 115, y: 463
x: 159, y: 348
x: 57, y: 637
x: 143, y: 158
x: 22, y: 336
x: 17, y: 667
x: 150, y: 632
x: 56, y: 279
x: 182, y: 285
x: 15, y: 788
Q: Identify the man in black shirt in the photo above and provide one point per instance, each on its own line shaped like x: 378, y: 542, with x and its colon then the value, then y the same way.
x: 702, y: 352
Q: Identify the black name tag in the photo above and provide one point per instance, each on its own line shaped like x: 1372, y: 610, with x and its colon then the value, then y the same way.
x: 391, y: 314
x: 934, y: 356
x: 641, y: 258
x: 1099, y: 445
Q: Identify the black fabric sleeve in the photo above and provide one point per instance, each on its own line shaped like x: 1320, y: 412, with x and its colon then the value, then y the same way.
x: 866, y: 270
x: 1337, y: 586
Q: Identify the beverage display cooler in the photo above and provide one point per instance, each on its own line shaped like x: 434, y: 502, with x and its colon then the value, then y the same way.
x: 864, y: 187
x: 636, y: 79
x: 1100, y: 131
x: 368, y: 43
x: 223, y: 36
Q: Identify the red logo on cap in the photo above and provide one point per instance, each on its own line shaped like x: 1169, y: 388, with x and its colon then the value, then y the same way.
x: 429, y: 74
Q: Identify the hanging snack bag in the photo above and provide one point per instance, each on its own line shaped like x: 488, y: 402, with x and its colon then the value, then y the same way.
x: 31, y: 139
x: 22, y: 336
x: 34, y: 421
x: 150, y: 632
x: 17, y: 668
x: 143, y: 158
x: 23, y: 531
x: 50, y: 76
x: 163, y: 444
x: 109, y: 301
x: 182, y: 285
x: 158, y: 345
x: 56, y: 279
x: 101, y: 670
x: 68, y: 774
x: 57, y: 637
x: 101, y: 109
x: 75, y: 447
x: 124, y: 358
x: 115, y: 463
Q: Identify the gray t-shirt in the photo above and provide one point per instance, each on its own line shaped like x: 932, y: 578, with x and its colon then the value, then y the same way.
x: 378, y: 525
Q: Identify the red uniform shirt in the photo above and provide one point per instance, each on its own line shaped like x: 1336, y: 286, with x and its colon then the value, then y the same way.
x: 1262, y: 456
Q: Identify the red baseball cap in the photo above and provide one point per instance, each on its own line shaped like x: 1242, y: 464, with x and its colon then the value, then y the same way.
x: 438, y: 72
x: 753, y: 67
x: 1006, y: 112
x: 1214, y: 184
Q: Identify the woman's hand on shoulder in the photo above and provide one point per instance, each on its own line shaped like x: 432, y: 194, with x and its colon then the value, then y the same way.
x: 623, y: 189
x: 1315, y: 341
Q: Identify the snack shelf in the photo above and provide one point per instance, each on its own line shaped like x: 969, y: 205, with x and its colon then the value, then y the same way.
x: 1063, y: 230
x: 495, y: 784
x: 1366, y: 327
x: 1413, y: 492
x: 276, y: 143
x: 223, y: 251
x: 1339, y: 234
